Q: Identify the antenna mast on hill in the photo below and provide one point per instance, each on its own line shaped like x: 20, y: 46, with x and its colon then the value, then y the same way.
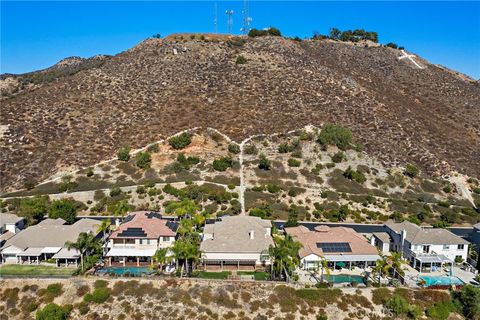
x: 215, y: 19
x: 246, y: 19
x: 229, y: 14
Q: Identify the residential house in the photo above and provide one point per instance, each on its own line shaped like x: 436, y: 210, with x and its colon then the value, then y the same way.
x: 236, y: 243
x: 139, y: 236
x: 10, y: 224
x: 425, y: 248
x: 341, y: 247
x: 46, y: 240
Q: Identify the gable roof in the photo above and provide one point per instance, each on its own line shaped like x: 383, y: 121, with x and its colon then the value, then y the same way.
x: 145, y: 225
x: 52, y: 222
x: 9, y: 218
x: 50, y: 235
x: 418, y: 235
x: 324, y: 234
x: 232, y: 234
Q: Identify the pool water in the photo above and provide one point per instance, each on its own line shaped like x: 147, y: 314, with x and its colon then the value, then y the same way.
x: 343, y: 278
x: 441, y: 281
x: 120, y: 271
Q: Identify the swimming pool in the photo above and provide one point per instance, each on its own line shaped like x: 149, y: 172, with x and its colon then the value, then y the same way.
x: 122, y: 271
x: 343, y: 278
x: 441, y: 281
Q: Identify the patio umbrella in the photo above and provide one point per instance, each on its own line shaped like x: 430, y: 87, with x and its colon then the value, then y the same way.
x: 341, y: 264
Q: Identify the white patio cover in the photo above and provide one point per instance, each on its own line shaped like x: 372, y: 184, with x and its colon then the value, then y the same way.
x: 348, y: 258
x: 66, y: 253
x: 131, y: 252
x: 51, y: 249
x: 31, y: 252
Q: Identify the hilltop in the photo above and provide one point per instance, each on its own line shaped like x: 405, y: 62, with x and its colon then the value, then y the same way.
x: 82, y: 111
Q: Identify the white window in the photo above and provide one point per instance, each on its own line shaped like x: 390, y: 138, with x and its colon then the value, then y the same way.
x: 446, y: 247
x: 460, y: 247
x: 165, y: 239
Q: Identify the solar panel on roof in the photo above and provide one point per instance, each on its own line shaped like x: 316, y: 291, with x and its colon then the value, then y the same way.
x: 172, y: 225
x: 334, y: 246
x: 133, y: 232
x: 128, y: 218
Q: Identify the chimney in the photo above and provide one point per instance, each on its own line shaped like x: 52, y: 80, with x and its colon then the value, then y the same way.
x: 251, y: 234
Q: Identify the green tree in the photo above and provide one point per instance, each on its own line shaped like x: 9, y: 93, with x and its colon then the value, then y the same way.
x: 337, y: 135
x: 222, y: 164
x: 52, y: 311
x: 121, y: 208
x: 63, y: 208
x: 323, y: 265
x: 33, y: 209
x: 469, y: 298
x: 264, y: 163
x: 162, y: 257
x: 124, y: 153
x: 86, y: 244
x: 241, y: 60
x: 381, y: 267
x: 292, y: 220
x: 334, y: 33
x: 143, y: 160
x: 234, y: 148
x: 104, y: 228
x: 284, y: 256
x: 181, y: 208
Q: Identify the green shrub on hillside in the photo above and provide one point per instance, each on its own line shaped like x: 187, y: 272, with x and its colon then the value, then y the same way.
x: 294, y: 162
x: 181, y: 141
x: 339, y: 157
x: 143, y: 160
x: 234, y: 148
x: 222, y: 164
x: 336, y: 135
x: 52, y: 311
x: 354, y: 175
x: 266, y: 32
x: 411, y: 171
x: 123, y: 154
x: 264, y: 163
x: 241, y: 60
x: 99, y: 295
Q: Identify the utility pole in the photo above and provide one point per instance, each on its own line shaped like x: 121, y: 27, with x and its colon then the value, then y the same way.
x: 215, y: 19
x: 229, y: 14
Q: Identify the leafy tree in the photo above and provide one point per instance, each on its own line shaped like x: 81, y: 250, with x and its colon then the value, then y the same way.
x: 86, y: 244
x: 121, y: 208
x: 292, y: 220
x: 263, y: 211
x: 104, y: 228
x: 264, y: 163
x: 411, y: 171
x: 392, y: 45
x: 337, y: 135
x: 180, y: 141
x: 33, y: 209
x: 162, y: 257
x: 52, y: 311
x: 335, y: 33
x: 469, y: 299
x: 143, y: 160
x: 272, y: 31
x: 354, y: 175
x: 181, y: 208
x: 124, y: 153
x: 65, y: 209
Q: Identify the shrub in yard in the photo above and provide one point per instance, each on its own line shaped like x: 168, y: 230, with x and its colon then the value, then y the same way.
x: 264, y: 163
x: 441, y: 310
x: 294, y: 162
x: 241, y: 60
x: 222, y: 164
x: 123, y: 154
x: 65, y: 209
x: 143, y: 160
x: 100, y: 284
x: 397, y: 305
x: 411, y: 171
x: 52, y: 311
x: 181, y: 141
x: 264, y: 211
x: 234, y: 148
x: 116, y: 191
x: 99, y: 295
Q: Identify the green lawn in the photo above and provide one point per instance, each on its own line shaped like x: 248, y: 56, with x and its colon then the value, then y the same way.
x: 262, y: 276
x: 34, y: 270
x: 214, y: 275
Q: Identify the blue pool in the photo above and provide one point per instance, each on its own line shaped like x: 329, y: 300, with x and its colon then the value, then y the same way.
x: 441, y: 281
x: 343, y: 278
x: 122, y: 271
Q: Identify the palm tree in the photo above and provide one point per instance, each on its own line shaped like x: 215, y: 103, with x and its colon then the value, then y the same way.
x: 382, y: 266
x: 162, y: 257
x: 284, y: 256
x: 121, y: 208
x: 104, y: 229
x: 86, y: 243
x: 395, y: 261
x: 324, y: 264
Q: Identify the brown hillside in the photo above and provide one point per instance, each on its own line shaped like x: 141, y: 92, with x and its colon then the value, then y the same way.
x: 400, y: 113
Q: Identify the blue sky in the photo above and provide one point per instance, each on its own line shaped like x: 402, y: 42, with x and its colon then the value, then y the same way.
x: 35, y: 35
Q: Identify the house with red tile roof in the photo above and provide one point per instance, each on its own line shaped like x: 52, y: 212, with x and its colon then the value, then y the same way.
x: 340, y: 246
x: 137, y: 239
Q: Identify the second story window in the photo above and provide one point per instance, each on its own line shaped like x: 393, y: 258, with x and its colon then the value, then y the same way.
x: 460, y: 247
x: 165, y: 239
x: 446, y: 247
